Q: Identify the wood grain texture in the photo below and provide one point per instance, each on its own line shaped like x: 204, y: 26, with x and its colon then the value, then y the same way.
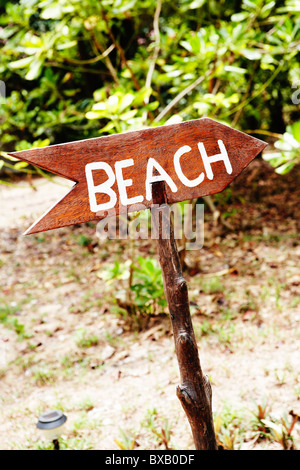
x: 70, y: 159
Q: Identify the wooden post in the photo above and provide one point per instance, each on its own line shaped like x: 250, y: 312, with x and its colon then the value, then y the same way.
x: 194, y: 392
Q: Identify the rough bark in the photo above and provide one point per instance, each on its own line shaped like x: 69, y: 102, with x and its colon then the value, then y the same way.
x: 194, y: 392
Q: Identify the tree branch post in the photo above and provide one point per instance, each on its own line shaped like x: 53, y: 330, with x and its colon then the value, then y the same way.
x: 194, y: 392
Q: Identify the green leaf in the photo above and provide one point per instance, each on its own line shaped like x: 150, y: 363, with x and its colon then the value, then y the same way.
x: 35, y: 69
x: 126, y: 101
x: 128, y: 115
x: 238, y: 17
x: 285, y: 168
x: 287, y: 143
x: 94, y: 115
x: 186, y: 45
x: 52, y: 12
x: 196, y: 4
x: 109, y: 127
x: 9, y: 157
x: 5, y: 33
x: 267, y: 8
x: 295, y: 128
x: 272, y: 156
x: 21, y: 63
x: 143, y: 94
x: 123, y: 6
x: 250, y: 5
x: 251, y: 54
x: 20, y: 165
x: 231, y: 68
x: 152, y: 106
x: 66, y: 45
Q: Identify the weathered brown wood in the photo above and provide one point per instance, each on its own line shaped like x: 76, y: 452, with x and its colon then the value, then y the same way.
x: 193, y: 138
x: 194, y: 392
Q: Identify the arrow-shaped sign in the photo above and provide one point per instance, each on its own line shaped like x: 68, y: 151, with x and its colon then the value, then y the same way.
x: 114, y: 174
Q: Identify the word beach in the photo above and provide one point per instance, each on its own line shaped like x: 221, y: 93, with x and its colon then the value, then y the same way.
x: 154, y: 172
x: 114, y: 174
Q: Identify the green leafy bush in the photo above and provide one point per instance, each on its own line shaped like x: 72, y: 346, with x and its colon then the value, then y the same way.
x: 79, y: 69
x: 138, y: 286
x: 289, y: 150
x: 147, y: 285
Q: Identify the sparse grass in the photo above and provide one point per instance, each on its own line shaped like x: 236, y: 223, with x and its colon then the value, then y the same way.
x: 126, y: 441
x: 280, y: 376
x: 89, y: 301
x: 274, y: 238
x: 297, y: 392
x: 71, y: 443
x: 86, y: 404
x: 229, y: 428
x: 295, y: 302
x: 43, y: 376
x: 211, y: 285
x: 85, y: 340
x: 159, y: 427
x: 259, y: 414
x: 112, y: 340
x: 83, y: 240
x: 221, y: 330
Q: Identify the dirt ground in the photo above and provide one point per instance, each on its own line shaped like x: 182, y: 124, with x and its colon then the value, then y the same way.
x: 118, y: 389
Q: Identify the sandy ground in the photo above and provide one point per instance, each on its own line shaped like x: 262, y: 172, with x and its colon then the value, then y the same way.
x: 126, y: 375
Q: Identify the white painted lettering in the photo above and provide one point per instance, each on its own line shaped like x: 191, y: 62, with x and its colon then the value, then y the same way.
x: 181, y: 176
x: 215, y: 158
x: 154, y: 172
x: 100, y: 188
x: 122, y: 184
x: 163, y: 176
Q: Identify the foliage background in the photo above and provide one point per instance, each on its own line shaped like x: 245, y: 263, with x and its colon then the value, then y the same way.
x: 80, y: 69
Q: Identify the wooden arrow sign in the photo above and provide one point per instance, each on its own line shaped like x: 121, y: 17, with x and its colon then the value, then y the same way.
x: 114, y: 174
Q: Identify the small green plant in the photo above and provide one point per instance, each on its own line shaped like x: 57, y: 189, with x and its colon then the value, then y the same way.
x: 86, y: 404
x: 280, y: 376
x: 126, y: 441
x: 281, y: 430
x: 222, y: 329
x: 260, y: 413
x: 147, y: 285
x: 139, y: 289
x: 7, y: 310
x: 225, y: 332
x: 278, y: 298
x: 84, y: 340
x: 65, y: 443
x: 212, y: 285
x: 297, y: 392
x: 205, y: 328
x: 44, y: 445
x: 89, y: 301
x: 80, y: 423
x: 295, y: 302
x: 224, y: 198
x: 8, y: 316
x: 160, y: 428
x: 43, y: 376
x: 112, y: 340
x: 228, y: 428
x: 289, y: 150
x: 83, y: 240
